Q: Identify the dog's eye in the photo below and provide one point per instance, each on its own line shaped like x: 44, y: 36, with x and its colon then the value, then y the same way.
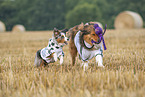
x: 56, y: 37
x: 93, y: 34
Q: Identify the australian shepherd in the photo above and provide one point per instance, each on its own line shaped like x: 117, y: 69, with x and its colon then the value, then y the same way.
x: 53, y: 51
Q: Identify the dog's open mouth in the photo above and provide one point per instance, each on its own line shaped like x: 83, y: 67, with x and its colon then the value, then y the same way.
x: 96, y: 42
x: 66, y: 42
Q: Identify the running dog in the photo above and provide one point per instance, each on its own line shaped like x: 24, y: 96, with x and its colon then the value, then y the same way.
x: 88, y: 41
x: 53, y: 51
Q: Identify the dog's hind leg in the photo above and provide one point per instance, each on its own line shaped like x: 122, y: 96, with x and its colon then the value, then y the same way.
x: 43, y: 63
x: 38, y: 60
x: 73, y: 51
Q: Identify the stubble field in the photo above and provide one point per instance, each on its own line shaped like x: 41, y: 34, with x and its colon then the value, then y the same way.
x: 123, y: 75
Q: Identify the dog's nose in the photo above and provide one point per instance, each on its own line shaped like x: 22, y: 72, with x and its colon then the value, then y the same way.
x: 66, y: 39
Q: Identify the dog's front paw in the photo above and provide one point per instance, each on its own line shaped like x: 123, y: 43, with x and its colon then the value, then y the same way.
x: 55, y: 57
x: 61, y: 60
x: 100, y: 65
x: 99, y: 60
x: 85, y: 66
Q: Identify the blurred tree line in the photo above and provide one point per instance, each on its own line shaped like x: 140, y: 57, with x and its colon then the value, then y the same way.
x: 47, y: 14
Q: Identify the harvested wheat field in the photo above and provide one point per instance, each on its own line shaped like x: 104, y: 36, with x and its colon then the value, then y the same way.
x: 123, y: 75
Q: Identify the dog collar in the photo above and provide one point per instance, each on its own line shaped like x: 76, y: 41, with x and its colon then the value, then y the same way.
x: 99, y: 32
x: 86, y: 45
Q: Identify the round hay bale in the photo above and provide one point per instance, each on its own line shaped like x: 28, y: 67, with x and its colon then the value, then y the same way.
x: 128, y: 20
x: 97, y: 23
x: 2, y: 27
x: 18, y: 28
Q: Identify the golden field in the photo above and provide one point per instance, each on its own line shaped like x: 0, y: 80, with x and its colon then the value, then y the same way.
x: 123, y: 75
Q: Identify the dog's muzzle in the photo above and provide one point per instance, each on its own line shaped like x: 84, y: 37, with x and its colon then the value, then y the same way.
x: 99, y: 40
x: 65, y: 42
x: 99, y: 32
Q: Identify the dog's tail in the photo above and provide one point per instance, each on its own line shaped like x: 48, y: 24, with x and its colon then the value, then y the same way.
x: 38, y: 59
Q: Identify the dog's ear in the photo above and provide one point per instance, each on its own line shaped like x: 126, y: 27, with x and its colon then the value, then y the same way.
x: 87, y: 23
x: 81, y: 26
x: 64, y: 30
x: 86, y: 29
x: 56, y: 31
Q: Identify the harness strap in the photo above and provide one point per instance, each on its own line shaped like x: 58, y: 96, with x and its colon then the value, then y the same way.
x: 86, y: 46
x: 39, y: 55
x: 84, y: 42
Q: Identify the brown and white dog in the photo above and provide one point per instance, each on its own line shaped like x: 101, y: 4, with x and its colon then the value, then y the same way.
x: 88, y: 41
x: 53, y: 51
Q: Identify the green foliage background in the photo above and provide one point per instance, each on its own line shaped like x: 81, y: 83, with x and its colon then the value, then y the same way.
x: 47, y: 14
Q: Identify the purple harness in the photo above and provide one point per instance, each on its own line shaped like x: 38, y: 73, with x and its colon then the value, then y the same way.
x: 99, y: 32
